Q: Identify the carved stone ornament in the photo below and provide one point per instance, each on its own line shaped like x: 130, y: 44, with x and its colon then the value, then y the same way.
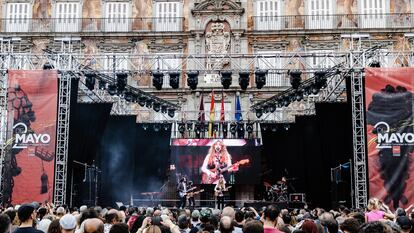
x: 218, y: 6
x: 217, y: 44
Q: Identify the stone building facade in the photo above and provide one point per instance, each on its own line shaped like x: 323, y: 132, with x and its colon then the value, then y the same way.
x: 206, y: 35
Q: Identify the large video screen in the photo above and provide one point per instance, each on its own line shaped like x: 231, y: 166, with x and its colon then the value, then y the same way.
x: 204, y: 161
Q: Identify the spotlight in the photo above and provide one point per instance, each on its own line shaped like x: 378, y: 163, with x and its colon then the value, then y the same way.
x: 260, y: 78
x: 142, y: 100
x: 156, y: 106
x: 157, y: 127
x: 164, y: 108
x: 233, y: 128
x: 298, y: 95
x: 181, y: 127
x: 171, y: 112
x: 148, y: 103
x: 197, y: 128
x: 249, y: 127
x: 266, y: 108
x: 272, y: 107
x: 157, y: 79
x: 286, y: 126
x: 174, y: 79
x: 90, y: 80
x: 263, y: 127
x: 273, y: 128
x: 189, y: 126
x: 320, y: 79
x: 226, y: 78
x: 375, y: 64
x: 244, y: 79
x: 224, y: 127
x: 112, y: 89
x: 295, y: 78
x: 240, y: 129
x: 166, y: 126
x: 145, y: 126
x: 286, y: 101
x: 129, y: 96
x: 121, y: 81
x: 259, y: 112
x: 48, y: 66
x: 314, y: 89
x: 192, y: 79
x: 215, y: 127
x: 101, y: 84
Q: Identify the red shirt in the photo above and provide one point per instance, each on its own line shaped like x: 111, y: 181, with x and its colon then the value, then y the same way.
x: 272, y: 230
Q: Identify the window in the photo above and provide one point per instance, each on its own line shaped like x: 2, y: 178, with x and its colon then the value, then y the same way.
x: 373, y: 13
x: 67, y: 16
x: 18, y: 16
x: 268, y: 15
x: 168, y: 16
x: 117, y: 16
x: 320, y: 14
x: 167, y: 62
x: 271, y: 61
x: 116, y: 61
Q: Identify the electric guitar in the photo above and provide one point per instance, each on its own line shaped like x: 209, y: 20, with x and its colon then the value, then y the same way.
x: 219, y: 191
x: 182, y: 193
x: 206, y: 179
x: 192, y: 194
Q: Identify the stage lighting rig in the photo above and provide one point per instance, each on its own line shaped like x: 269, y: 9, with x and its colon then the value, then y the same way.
x: 240, y: 129
x: 259, y: 112
x: 226, y: 78
x: 181, y: 127
x: 298, y: 95
x: 157, y: 127
x: 174, y: 79
x: 273, y: 128
x: 233, y: 128
x: 142, y: 100
x: 375, y: 64
x: 90, y: 80
x: 244, y: 79
x: 48, y: 66
x: 156, y: 106
x: 149, y: 102
x: 320, y: 79
x: 157, y: 79
x: 286, y: 126
x: 260, y: 78
x: 272, y: 107
x: 192, y: 79
x: 101, y: 84
x: 249, y: 127
x: 189, y: 126
x: 295, y: 78
x: 121, y: 81
x: 145, y: 126
x: 129, y: 96
x: 112, y: 89
x: 171, y: 112
x: 166, y: 126
x: 164, y: 108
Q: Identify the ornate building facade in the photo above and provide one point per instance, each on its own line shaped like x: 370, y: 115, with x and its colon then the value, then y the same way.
x: 140, y: 36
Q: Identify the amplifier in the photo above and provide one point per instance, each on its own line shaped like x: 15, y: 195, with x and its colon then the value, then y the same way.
x: 297, y: 197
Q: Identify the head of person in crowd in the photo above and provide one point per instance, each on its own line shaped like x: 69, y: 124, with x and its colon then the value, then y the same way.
x: 226, y: 225
x: 93, y: 225
x: 41, y: 212
x: 309, y: 226
x: 119, y: 228
x: 271, y: 215
x: 88, y: 214
x: 400, y: 212
x: 68, y: 223
x: 253, y: 226
x: 405, y: 224
x: 44, y: 224
x: 239, y: 217
x: 350, y: 225
x: 5, y: 223
x: 54, y: 227
x: 183, y: 222
x: 372, y: 227
x: 112, y: 217
x: 26, y: 214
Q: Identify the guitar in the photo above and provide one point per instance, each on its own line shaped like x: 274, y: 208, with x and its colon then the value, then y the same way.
x: 219, y: 191
x: 182, y: 193
x: 192, y: 194
x: 206, y: 179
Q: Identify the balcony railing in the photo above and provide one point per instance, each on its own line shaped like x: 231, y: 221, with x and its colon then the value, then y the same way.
x: 165, y: 24
x: 351, y: 21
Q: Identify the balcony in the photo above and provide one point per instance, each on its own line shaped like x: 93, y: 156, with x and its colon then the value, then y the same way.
x: 333, y: 22
x: 91, y: 25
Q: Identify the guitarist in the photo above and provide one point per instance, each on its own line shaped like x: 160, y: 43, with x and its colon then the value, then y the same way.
x: 182, y: 191
x: 190, y: 196
x: 219, y: 190
x: 217, y: 158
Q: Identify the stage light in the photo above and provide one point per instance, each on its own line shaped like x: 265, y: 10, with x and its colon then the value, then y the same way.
x: 260, y: 78
x: 259, y: 112
x: 215, y: 127
x: 249, y: 127
x: 244, y: 79
x: 233, y: 128
x: 197, y: 128
x: 48, y: 66
x: 189, y: 126
x: 314, y: 89
x: 263, y: 127
x: 286, y: 126
x: 295, y: 78
x: 240, y: 129
x: 121, y: 81
x: 129, y: 96
x: 90, y: 80
x: 156, y: 106
x: 192, y: 79
x: 181, y: 127
x: 166, y: 126
x: 320, y: 79
x: 298, y: 95
x: 148, y: 103
x: 272, y: 107
x: 157, y: 79
x: 101, y: 84
x: 164, y: 108
x: 145, y: 126
x: 273, y: 128
x: 375, y: 64
x: 157, y: 127
x: 266, y: 108
x: 112, y: 89
x: 174, y: 79
x: 224, y: 124
x: 142, y: 100
x: 286, y: 101
x: 226, y: 78
x: 171, y: 112
x: 306, y: 91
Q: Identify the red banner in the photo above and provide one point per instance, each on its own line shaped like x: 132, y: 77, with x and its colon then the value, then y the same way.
x: 389, y: 119
x: 32, y: 109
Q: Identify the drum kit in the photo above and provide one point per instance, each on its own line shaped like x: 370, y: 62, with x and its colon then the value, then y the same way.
x: 277, y: 192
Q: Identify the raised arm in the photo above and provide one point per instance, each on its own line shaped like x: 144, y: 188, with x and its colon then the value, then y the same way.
x: 204, y: 166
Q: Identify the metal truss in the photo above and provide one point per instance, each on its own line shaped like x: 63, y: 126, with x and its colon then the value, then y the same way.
x: 3, y: 129
x: 62, y: 138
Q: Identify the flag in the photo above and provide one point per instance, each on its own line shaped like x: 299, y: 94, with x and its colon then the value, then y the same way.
x: 212, y: 116
x: 201, y: 115
x: 222, y: 116
x: 238, y: 113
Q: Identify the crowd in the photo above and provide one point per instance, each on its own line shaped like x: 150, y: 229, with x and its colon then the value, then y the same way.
x: 45, y: 218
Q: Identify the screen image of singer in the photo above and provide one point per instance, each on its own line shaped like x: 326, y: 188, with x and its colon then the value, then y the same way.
x: 204, y: 161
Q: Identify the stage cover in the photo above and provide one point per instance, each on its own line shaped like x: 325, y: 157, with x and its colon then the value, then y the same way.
x: 32, y: 109
x: 389, y: 119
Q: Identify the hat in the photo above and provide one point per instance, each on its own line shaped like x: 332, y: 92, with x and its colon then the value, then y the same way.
x: 83, y: 208
x: 25, y: 211
x: 60, y: 210
x: 68, y: 222
x: 43, y: 225
x: 195, y: 214
x: 205, y: 215
x: 404, y: 222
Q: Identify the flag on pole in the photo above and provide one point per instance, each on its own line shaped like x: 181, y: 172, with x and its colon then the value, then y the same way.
x: 238, y: 114
x: 212, y: 116
x: 222, y: 116
x: 201, y: 115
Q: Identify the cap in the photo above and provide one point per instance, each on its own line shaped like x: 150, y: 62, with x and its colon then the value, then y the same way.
x: 60, y: 210
x: 195, y: 214
x: 43, y: 225
x: 83, y: 208
x: 68, y: 222
x: 404, y: 222
x: 25, y: 211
